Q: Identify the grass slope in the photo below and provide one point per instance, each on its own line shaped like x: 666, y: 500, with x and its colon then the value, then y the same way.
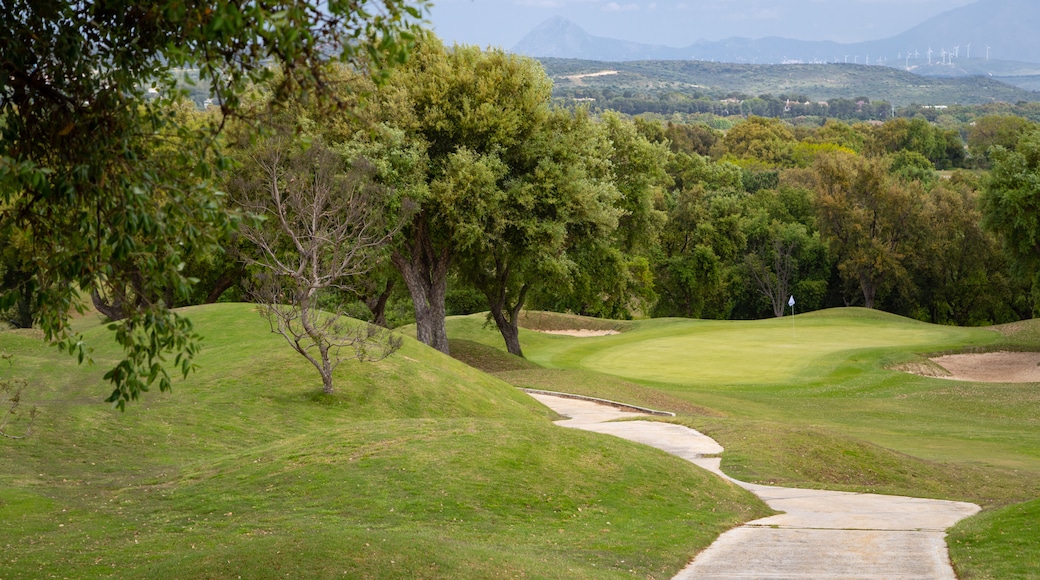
x: 419, y: 467
x: 998, y: 544
x: 808, y: 402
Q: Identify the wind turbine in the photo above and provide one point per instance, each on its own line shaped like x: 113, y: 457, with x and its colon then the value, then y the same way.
x: 846, y: 59
x: 957, y: 51
x: 929, y: 55
x: 987, y: 51
x: 968, y: 55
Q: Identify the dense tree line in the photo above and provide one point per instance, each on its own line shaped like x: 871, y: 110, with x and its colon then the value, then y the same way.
x: 492, y: 197
x: 782, y: 106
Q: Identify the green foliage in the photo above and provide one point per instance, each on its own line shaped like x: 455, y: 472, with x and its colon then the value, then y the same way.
x: 993, y: 130
x: 911, y: 166
x: 960, y: 273
x: 1011, y: 204
x: 762, y: 139
x: 112, y: 184
x: 868, y: 220
x: 943, y: 147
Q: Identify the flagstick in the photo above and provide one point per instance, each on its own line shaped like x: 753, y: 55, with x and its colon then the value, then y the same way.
x: 791, y: 303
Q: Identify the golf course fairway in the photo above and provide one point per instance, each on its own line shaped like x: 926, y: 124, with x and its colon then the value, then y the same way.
x: 813, y: 401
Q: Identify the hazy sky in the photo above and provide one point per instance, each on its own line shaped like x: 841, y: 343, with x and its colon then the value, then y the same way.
x: 681, y: 23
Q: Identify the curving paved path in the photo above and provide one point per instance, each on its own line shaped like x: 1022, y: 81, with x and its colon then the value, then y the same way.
x: 820, y: 535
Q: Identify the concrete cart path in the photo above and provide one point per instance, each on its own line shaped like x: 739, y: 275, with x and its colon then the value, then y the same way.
x: 821, y: 534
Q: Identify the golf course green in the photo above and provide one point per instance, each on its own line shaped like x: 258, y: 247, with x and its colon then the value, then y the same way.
x: 777, y: 351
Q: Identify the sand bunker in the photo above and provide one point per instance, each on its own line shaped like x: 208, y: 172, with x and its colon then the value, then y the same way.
x: 583, y: 333
x: 990, y: 367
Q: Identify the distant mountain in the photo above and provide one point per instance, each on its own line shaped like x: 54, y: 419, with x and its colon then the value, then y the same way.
x: 561, y: 38
x: 996, y: 30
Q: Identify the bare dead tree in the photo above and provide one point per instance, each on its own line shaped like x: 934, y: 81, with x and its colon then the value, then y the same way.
x: 321, y: 226
x: 774, y: 279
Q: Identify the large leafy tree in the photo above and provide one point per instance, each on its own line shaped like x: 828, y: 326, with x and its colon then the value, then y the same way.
x: 764, y: 140
x: 784, y: 254
x: 84, y: 101
x: 869, y: 218
x: 472, y: 113
x: 962, y: 278
x: 536, y: 216
x: 612, y: 274
x: 1011, y: 204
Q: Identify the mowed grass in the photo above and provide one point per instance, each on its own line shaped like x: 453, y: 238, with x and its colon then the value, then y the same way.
x: 809, y: 401
x: 998, y: 544
x: 418, y: 467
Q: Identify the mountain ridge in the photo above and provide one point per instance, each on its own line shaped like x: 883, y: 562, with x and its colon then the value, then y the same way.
x: 976, y: 39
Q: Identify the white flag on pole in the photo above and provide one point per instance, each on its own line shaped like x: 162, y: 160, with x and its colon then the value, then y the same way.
x: 791, y: 301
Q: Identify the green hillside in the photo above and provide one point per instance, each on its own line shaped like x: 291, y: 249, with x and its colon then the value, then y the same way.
x: 818, y: 82
x: 419, y: 467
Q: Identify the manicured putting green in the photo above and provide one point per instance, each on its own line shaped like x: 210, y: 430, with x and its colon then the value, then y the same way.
x: 760, y: 351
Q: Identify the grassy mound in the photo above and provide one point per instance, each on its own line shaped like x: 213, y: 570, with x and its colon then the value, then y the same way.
x: 998, y: 544
x: 1026, y: 332
x: 419, y: 466
x: 487, y: 358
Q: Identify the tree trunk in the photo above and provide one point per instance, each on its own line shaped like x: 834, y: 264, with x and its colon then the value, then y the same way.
x: 377, y: 304
x: 113, y: 312
x: 23, y: 314
x: 225, y: 282
x: 425, y: 272
x: 326, y: 372
x: 507, y: 321
x: 510, y: 332
x: 869, y: 288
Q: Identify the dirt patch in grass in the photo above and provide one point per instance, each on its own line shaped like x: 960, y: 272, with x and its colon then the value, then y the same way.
x: 987, y: 367
x: 557, y: 322
x: 581, y: 332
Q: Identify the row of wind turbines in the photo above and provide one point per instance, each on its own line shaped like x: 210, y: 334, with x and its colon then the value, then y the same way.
x: 947, y: 55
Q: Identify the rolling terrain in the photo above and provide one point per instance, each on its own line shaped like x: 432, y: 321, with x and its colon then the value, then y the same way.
x: 818, y: 82
x: 423, y: 466
x: 812, y: 401
x: 419, y: 467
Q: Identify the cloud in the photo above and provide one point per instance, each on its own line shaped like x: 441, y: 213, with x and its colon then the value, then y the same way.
x: 615, y: 7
